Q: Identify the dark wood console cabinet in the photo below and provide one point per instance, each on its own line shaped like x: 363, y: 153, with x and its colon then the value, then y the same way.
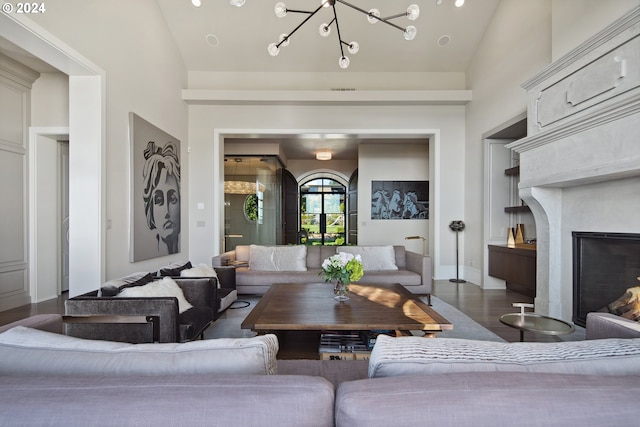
x: 516, y: 266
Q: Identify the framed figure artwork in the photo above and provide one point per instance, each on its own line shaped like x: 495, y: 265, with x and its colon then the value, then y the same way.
x: 399, y: 199
x: 155, y: 194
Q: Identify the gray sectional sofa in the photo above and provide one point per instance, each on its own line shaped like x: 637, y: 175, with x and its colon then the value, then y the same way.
x: 46, y: 380
x: 413, y: 270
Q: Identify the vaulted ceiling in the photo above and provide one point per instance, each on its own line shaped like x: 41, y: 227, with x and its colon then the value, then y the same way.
x: 219, y: 37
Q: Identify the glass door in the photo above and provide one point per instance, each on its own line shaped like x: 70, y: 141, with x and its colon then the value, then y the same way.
x: 322, y: 211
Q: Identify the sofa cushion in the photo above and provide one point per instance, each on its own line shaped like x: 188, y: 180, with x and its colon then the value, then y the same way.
x: 166, y: 287
x: 421, y: 356
x: 112, y: 287
x: 374, y: 258
x: 278, y: 258
x: 489, y: 399
x: 177, y: 400
x: 30, y: 351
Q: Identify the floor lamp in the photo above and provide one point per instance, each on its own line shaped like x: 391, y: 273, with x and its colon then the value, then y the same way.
x: 457, y: 226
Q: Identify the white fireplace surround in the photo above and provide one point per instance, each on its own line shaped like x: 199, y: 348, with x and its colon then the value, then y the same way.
x: 580, y: 161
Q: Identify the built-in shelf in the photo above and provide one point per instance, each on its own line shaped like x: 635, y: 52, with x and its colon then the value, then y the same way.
x: 517, y: 209
x: 512, y: 171
x: 516, y: 266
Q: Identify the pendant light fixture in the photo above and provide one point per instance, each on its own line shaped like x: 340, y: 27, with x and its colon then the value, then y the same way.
x: 373, y: 16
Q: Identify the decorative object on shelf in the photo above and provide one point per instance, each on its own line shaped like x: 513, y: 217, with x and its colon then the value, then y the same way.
x: 342, y: 269
x: 457, y: 226
x: 511, y: 239
x: 373, y: 16
x: 519, y: 236
x: 424, y: 242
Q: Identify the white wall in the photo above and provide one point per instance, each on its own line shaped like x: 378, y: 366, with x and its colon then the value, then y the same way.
x: 516, y: 45
x: 50, y: 100
x: 143, y: 74
x: 303, y: 168
x: 574, y: 21
x: 208, y: 122
x: 390, y: 162
x: 538, y: 31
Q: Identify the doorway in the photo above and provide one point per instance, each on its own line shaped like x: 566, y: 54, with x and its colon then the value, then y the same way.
x: 322, y: 211
x: 49, y: 212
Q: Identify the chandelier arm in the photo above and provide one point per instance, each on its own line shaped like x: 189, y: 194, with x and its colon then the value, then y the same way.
x: 399, y: 15
x: 385, y: 20
x: 301, y: 24
x: 335, y: 18
x: 308, y: 12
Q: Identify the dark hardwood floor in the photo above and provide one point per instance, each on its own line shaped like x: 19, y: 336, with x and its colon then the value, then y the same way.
x: 483, y: 306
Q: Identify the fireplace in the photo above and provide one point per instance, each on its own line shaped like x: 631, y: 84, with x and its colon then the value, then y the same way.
x: 605, y: 265
x: 580, y: 170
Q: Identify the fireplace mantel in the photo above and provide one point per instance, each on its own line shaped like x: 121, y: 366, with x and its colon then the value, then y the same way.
x: 580, y: 161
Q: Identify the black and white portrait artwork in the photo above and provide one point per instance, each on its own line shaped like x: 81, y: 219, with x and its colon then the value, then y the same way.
x: 156, y: 191
x: 399, y: 199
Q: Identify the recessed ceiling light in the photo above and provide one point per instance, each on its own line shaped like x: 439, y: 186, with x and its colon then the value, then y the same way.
x: 444, y: 40
x: 212, y: 40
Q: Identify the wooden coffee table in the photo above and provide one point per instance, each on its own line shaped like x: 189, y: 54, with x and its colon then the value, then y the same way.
x: 293, y: 310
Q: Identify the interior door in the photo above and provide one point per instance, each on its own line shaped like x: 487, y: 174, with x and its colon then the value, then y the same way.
x: 63, y: 150
x: 290, y: 208
x: 352, y: 203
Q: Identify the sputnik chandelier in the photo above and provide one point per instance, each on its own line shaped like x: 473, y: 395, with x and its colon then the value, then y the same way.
x: 373, y: 16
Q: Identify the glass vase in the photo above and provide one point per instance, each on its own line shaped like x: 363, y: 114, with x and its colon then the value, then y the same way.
x: 340, y: 291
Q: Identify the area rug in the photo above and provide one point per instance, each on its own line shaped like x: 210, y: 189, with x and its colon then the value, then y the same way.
x: 228, y: 325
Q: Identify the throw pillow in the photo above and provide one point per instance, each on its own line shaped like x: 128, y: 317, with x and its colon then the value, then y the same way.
x: 392, y: 357
x: 174, y: 269
x: 166, y: 287
x: 278, y: 258
x: 202, y: 270
x: 627, y: 306
x: 112, y: 287
x: 33, y: 352
x: 374, y: 258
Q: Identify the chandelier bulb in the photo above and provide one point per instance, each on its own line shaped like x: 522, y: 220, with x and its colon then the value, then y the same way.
x: 284, y: 40
x: 344, y: 62
x: 281, y: 10
x: 410, y: 32
x: 197, y: 3
x: 413, y: 12
x: 353, y: 48
x: 273, y: 49
x: 459, y: 3
x: 373, y: 15
x: 237, y: 3
x: 324, y: 30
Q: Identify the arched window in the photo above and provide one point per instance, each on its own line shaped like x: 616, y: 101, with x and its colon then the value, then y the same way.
x: 322, y: 211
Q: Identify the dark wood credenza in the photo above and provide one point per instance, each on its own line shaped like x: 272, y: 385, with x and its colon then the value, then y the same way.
x: 516, y: 266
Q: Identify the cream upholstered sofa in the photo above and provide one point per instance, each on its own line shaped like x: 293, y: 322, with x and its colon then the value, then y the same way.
x: 258, y: 267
